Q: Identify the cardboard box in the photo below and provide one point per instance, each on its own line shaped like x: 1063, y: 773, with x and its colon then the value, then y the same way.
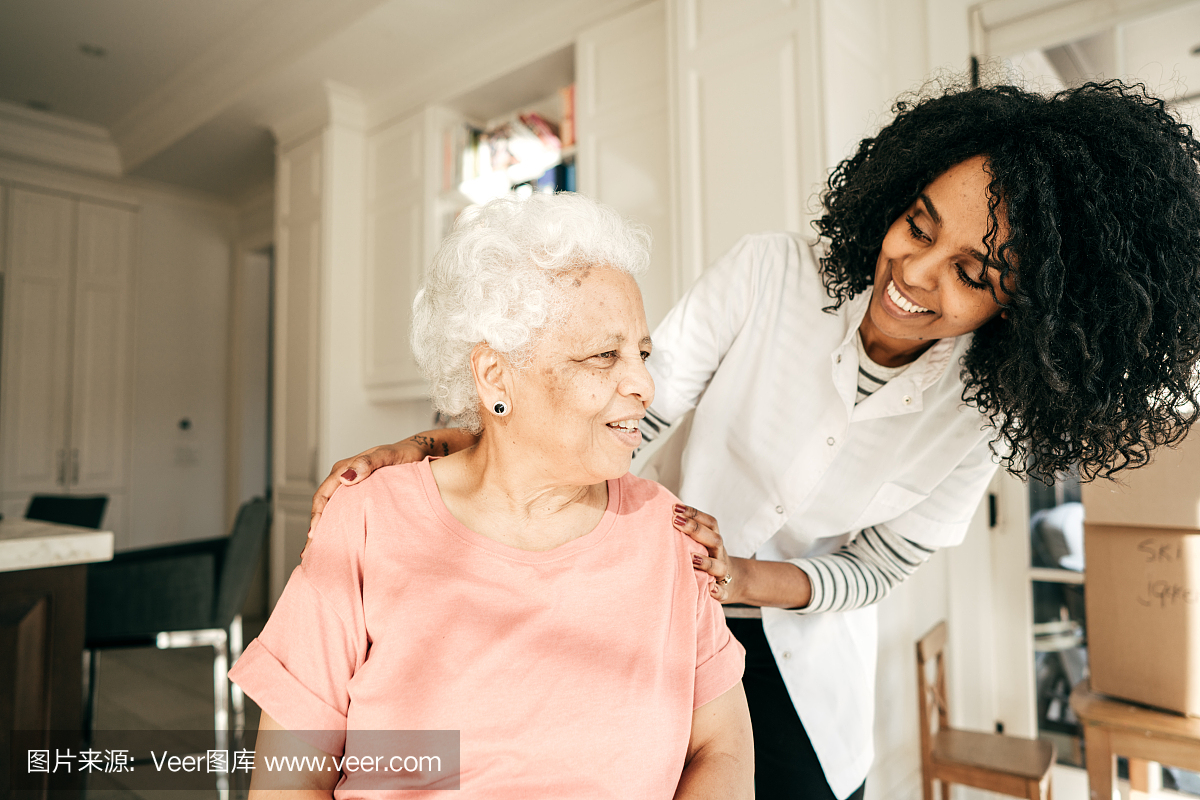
x: 1164, y: 493
x: 1143, y: 613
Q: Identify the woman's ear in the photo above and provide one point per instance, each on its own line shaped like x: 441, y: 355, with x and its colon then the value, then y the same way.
x: 491, y: 375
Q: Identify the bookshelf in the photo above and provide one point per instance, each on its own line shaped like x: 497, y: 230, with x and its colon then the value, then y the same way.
x: 1058, y: 626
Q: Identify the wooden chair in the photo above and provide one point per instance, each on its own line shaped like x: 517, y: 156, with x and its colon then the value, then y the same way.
x: 991, y: 761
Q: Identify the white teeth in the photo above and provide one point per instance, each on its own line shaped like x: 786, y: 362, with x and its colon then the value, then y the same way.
x: 625, y: 424
x: 901, y: 301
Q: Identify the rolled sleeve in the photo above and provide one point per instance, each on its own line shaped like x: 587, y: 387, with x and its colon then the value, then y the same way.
x: 299, y: 668
x: 720, y: 658
x: 288, y: 700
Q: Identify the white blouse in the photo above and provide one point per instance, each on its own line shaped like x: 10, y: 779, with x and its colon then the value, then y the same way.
x: 792, y: 467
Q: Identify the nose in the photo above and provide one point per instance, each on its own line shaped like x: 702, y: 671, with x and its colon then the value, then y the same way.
x: 638, y: 383
x: 921, y: 269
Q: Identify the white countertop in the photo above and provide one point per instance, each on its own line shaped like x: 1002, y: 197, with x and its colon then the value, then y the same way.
x: 33, y: 544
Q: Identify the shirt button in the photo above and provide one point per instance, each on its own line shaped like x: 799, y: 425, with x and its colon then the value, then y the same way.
x: 838, y: 359
x: 787, y: 654
x: 831, y: 441
x: 907, y: 400
x: 778, y: 509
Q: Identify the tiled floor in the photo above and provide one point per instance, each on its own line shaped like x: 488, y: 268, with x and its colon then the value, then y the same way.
x: 168, y: 693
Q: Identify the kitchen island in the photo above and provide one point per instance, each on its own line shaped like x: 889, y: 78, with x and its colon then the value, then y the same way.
x: 43, y: 611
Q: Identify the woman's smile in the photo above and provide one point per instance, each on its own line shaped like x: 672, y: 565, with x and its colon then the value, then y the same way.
x: 627, y: 431
x: 900, y: 305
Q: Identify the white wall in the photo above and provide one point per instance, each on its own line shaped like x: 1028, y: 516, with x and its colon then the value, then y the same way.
x: 181, y: 308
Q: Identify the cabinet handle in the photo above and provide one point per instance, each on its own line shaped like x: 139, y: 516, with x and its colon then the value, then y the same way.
x: 74, y: 466
x: 61, y: 480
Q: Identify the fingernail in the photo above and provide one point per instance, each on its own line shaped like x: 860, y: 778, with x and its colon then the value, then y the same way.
x: 680, y: 508
x: 680, y: 521
x: 349, y: 474
x: 697, y: 560
x: 715, y: 589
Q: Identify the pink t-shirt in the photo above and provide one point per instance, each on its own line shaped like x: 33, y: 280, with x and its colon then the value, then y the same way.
x: 570, y: 673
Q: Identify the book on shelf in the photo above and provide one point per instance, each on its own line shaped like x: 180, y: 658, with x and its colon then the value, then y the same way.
x: 524, y: 148
x: 566, y: 130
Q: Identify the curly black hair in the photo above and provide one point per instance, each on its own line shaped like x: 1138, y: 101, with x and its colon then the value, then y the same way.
x: 1093, y: 366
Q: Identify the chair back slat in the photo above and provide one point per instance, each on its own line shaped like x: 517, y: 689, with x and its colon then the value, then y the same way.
x: 931, y: 688
x: 68, y: 509
x: 932, y: 644
x: 241, y: 555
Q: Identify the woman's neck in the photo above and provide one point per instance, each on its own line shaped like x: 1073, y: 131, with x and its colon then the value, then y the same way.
x: 887, y: 351
x: 517, y: 501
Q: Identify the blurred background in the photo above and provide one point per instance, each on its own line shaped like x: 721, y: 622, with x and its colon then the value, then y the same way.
x: 263, y: 182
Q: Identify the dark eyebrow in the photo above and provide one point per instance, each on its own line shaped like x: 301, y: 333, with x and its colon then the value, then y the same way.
x: 929, y: 207
x: 973, y: 253
x: 645, y: 342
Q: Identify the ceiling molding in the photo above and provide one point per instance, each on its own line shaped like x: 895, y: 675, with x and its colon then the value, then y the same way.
x: 275, y: 35
x: 334, y: 104
x: 346, y: 107
x: 305, y: 121
x: 495, y: 51
x: 58, y: 141
x: 132, y: 192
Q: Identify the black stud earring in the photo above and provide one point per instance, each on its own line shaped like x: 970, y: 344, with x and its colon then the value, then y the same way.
x: 500, y: 408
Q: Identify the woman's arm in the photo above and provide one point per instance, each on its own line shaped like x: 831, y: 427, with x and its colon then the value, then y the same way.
x: 720, y: 758
x: 349, y: 471
x: 276, y: 747
x: 860, y: 573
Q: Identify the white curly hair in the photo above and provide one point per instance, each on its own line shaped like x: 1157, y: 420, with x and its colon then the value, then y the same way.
x: 496, y: 277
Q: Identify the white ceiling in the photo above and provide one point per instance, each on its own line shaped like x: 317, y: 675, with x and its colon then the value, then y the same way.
x: 147, y: 41
x: 189, y: 88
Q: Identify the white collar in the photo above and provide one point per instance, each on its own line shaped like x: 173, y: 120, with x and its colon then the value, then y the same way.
x: 925, y: 371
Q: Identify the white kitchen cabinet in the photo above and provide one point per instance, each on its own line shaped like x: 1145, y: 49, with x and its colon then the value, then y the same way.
x: 748, y: 99
x: 65, y: 395
x: 401, y: 200
x: 298, y: 244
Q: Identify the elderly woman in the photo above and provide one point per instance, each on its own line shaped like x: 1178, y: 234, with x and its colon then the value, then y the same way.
x: 527, y: 591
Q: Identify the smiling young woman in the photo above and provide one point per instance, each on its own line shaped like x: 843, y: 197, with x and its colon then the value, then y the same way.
x: 1003, y: 278
x: 931, y: 278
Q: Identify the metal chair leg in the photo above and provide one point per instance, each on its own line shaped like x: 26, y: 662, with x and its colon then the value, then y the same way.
x: 221, y: 709
x: 91, y: 662
x: 236, y: 696
x: 218, y: 640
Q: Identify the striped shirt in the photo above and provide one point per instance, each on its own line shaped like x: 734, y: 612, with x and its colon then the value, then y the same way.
x: 870, y: 565
x: 872, y: 376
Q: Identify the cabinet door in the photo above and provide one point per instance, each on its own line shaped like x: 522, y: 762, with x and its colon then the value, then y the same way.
x: 37, y: 341
x: 621, y: 104
x: 98, y: 455
x: 395, y: 258
x: 748, y: 95
x: 297, y: 334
